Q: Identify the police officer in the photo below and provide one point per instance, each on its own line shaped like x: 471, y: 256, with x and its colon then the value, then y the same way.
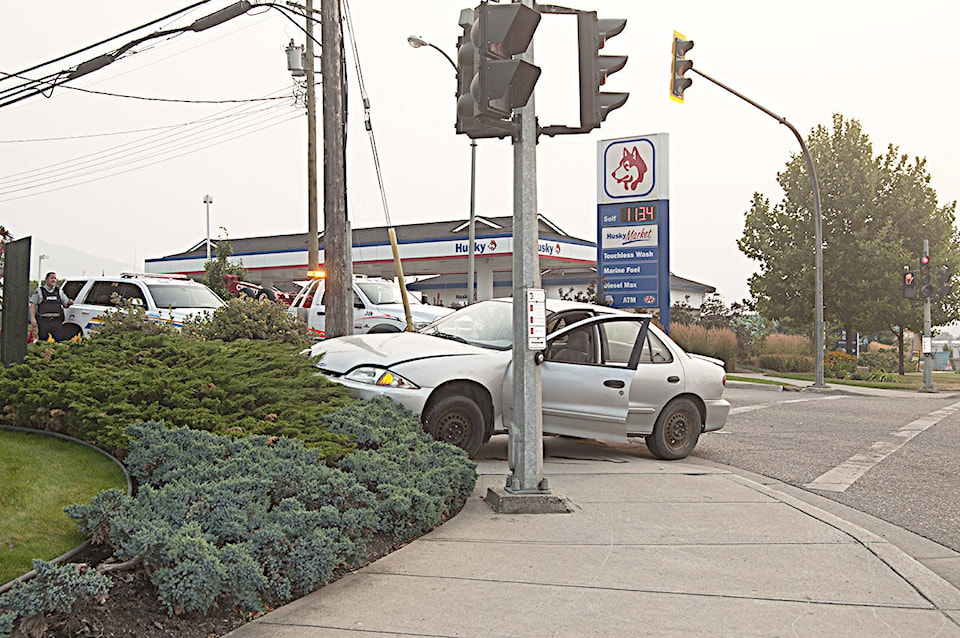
x: 46, y: 309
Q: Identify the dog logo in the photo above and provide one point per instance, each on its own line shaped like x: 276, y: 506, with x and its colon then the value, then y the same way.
x: 629, y: 173
x: 492, y: 246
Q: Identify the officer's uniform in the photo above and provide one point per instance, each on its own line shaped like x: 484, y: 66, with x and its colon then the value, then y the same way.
x: 49, y: 312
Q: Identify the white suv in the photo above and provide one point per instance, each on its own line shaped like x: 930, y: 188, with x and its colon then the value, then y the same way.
x: 164, y: 298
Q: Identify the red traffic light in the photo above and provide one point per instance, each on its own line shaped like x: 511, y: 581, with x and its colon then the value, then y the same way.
x: 925, y: 260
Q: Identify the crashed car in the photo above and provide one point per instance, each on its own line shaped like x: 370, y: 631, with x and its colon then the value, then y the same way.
x: 606, y: 374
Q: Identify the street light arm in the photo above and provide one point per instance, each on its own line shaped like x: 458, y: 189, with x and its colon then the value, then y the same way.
x: 416, y: 42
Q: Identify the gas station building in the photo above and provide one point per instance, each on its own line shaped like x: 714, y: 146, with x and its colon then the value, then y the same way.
x: 434, y: 257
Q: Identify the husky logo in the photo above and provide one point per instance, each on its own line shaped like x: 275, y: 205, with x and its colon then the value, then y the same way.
x: 492, y: 246
x: 629, y: 173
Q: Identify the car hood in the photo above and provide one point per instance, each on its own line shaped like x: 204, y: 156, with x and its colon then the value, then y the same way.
x: 341, y: 354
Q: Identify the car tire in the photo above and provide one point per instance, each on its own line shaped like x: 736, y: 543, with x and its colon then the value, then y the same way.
x: 456, y: 420
x: 676, y: 431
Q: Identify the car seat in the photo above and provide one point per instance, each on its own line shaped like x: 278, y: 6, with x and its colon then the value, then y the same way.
x: 577, y: 349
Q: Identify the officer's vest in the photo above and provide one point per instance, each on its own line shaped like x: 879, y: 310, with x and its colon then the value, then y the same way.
x: 50, y: 306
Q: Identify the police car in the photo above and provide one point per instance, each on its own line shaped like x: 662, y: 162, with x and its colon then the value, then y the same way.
x: 164, y: 298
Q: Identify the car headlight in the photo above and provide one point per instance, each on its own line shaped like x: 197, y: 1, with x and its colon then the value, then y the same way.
x: 379, y: 376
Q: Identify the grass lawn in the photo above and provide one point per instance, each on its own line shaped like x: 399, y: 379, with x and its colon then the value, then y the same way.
x: 39, y: 476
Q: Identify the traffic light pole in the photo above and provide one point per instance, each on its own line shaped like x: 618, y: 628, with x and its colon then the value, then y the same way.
x: 927, y: 354
x: 525, y: 444
x: 818, y: 232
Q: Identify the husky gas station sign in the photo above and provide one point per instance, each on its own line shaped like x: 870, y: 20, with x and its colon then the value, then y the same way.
x: 633, y: 230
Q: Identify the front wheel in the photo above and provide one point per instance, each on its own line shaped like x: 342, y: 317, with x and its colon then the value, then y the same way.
x: 676, y: 432
x: 456, y: 420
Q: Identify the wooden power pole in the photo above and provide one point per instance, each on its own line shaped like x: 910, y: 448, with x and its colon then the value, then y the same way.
x: 339, y: 297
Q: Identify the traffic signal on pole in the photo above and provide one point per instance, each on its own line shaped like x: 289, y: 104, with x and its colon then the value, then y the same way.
x: 679, y: 66
x: 909, y: 284
x: 467, y: 121
x: 943, y: 281
x: 500, y: 83
x: 592, y: 35
x: 926, y: 284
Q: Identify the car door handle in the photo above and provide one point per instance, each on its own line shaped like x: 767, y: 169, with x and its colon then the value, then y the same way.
x: 673, y: 379
x: 613, y: 383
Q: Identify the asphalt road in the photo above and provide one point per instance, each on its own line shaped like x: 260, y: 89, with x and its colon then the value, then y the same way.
x: 895, y: 457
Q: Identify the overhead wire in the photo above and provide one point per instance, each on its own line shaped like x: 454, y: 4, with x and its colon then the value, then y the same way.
x: 110, y: 39
x: 135, y: 152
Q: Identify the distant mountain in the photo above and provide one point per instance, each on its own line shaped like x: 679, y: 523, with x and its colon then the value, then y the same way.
x: 69, y: 262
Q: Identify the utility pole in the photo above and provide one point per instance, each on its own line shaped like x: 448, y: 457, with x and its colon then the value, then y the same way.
x: 339, y: 306
x: 525, y: 443
x: 313, y: 230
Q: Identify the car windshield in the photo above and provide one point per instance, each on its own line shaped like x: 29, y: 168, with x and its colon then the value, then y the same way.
x: 184, y: 296
x: 381, y: 292
x: 488, y: 324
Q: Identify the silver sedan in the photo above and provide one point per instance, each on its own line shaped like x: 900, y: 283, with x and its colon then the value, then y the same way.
x: 607, y: 374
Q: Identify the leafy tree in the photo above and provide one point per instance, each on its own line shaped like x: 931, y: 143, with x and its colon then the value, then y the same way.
x: 876, y: 212
x: 219, y: 266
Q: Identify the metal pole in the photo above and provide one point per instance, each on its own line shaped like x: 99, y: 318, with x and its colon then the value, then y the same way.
x: 471, y: 264
x: 313, y: 227
x: 208, y: 200
x: 927, y: 356
x: 525, y: 445
x: 417, y: 42
x: 818, y: 231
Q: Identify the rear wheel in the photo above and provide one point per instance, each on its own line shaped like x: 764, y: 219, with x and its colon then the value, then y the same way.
x: 676, y: 432
x: 456, y: 420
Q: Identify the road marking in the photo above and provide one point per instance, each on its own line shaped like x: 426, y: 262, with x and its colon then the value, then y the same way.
x: 847, y: 473
x: 762, y: 406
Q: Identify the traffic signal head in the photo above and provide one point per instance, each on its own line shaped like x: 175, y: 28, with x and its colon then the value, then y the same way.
x: 500, y: 82
x: 595, y: 68
x: 926, y: 284
x: 943, y: 281
x: 679, y: 66
x: 909, y: 284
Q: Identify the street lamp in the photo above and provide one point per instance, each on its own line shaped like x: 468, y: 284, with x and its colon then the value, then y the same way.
x: 208, y: 200
x: 416, y: 42
x: 40, y: 259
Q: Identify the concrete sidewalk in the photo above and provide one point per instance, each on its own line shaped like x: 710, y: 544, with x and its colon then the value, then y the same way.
x: 650, y: 548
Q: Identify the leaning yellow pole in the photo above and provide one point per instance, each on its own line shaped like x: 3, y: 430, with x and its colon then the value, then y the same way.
x: 400, y: 279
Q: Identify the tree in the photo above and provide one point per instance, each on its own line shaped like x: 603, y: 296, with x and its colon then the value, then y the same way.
x: 219, y: 266
x: 876, y: 212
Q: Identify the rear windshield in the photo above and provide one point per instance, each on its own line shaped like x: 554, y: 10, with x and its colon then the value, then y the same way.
x: 184, y: 296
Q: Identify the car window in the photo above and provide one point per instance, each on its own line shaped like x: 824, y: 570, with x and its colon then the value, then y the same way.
x: 561, y: 320
x: 654, y: 350
x: 102, y: 293
x: 619, y: 338
x: 72, y: 288
x: 576, y: 346
x: 487, y: 324
x: 184, y: 296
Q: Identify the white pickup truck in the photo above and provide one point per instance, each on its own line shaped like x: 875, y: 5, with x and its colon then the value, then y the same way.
x: 377, y: 307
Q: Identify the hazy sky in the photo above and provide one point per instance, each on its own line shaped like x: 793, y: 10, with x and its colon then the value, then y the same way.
x: 125, y: 178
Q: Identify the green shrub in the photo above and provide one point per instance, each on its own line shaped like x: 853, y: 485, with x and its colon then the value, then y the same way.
x: 786, y: 344
x: 882, y: 360
x: 884, y: 377
x: 93, y: 390
x: 839, y: 364
x: 250, y: 319
x: 720, y: 343
x: 256, y: 521
x: 54, y: 590
x: 786, y: 362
